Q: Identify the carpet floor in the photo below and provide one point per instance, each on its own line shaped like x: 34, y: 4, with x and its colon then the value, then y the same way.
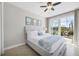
x: 23, y: 50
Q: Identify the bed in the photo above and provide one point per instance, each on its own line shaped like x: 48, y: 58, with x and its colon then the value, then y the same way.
x: 46, y: 44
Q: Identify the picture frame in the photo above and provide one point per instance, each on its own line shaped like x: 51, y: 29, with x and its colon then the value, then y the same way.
x: 38, y: 22
x: 32, y: 21
x: 28, y: 21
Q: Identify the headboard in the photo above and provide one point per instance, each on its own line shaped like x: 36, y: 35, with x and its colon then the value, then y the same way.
x: 31, y: 31
x: 33, y: 28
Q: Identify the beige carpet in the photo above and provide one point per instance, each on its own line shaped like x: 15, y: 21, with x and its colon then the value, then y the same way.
x: 23, y: 50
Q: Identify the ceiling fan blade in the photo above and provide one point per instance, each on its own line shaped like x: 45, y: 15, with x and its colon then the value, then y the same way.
x: 45, y: 10
x: 56, y: 3
x: 52, y: 9
x: 43, y: 6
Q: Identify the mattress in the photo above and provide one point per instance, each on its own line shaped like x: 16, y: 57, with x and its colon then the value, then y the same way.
x: 55, y: 47
x: 43, y: 52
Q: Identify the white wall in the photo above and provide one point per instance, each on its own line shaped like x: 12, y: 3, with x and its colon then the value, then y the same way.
x: 14, y: 21
x: 0, y: 27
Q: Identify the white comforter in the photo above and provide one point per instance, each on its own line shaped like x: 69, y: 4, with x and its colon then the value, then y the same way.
x: 47, y: 42
x: 49, y: 46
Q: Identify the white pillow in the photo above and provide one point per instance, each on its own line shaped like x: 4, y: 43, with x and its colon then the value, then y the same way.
x: 32, y: 34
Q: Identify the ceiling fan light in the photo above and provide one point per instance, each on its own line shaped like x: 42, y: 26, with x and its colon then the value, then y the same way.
x: 49, y: 7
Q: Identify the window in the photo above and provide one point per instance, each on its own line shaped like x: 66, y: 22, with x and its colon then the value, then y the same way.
x: 62, y: 25
x: 54, y: 24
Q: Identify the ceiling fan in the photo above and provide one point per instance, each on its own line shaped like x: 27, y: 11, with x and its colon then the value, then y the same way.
x: 50, y: 6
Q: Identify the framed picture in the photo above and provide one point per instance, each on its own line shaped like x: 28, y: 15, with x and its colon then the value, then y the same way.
x: 38, y: 22
x: 32, y: 21
x: 28, y: 21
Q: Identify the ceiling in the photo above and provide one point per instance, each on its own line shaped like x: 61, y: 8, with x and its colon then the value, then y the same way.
x: 34, y: 7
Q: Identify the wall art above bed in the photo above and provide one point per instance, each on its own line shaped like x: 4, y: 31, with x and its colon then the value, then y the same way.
x: 28, y: 21
x: 32, y: 21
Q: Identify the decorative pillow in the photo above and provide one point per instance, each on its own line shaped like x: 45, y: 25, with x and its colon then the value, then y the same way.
x: 40, y: 33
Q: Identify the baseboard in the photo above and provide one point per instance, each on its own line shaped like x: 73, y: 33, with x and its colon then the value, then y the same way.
x: 13, y: 46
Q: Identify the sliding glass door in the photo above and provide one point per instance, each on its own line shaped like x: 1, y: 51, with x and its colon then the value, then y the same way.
x: 54, y: 27
x: 67, y: 26
x: 62, y: 26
